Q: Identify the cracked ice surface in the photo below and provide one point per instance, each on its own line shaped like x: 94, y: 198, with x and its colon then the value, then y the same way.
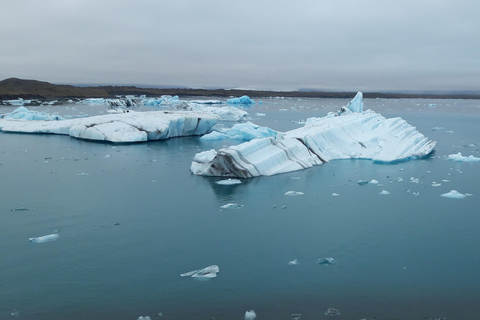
x: 343, y: 135
x: 124, y: 127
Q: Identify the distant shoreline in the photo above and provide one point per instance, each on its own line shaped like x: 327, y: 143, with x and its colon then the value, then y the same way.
x: 14, y: 88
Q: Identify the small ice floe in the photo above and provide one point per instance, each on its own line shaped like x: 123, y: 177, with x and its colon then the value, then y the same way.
x: 250, y: 315
x: 259, y: 114
x: 294, y: 262
x: 15, y: 313
x: 205, y: 273
x: 228, y: 182
x: 399, y: 179
x: 82, y: 174
x: 373, y: 181
x: 335, y: 194
x: 414, y: 180
x: 384, y: 192
x: 22, y: 209
x: 416, y: 193
x: 454, y: 194
x: 362, y: 182
x: 332, y: 312
x: 326, y: 261
x: 438, y: 128
x: 459, y: 158
x: 436, y: 184
x: 107, y: 156
x: 46, y: 238
x: 295, y: 178
x: 144, y: 318
x: 296, y: 316
x: 294, y: 193
x: 232, y: 206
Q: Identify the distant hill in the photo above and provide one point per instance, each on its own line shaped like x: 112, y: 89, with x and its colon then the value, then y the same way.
x: 14, y: 88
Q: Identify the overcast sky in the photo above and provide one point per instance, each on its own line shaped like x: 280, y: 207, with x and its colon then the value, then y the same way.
x: 366, y: 45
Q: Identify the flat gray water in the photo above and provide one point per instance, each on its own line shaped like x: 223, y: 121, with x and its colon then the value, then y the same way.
x: 132, y: 218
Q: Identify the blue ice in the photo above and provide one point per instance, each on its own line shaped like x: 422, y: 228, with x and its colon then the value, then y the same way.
x: 241, y: 100
x: 242, y: 131
x: 25, y: 114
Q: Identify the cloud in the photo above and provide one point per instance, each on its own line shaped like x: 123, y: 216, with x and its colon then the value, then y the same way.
x: 339, y: 45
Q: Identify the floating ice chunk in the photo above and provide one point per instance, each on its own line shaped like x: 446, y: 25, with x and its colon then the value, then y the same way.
x: 335, y: 194
x: 296, y: 316
x: 362, y: 182
x: 46, y: 238
x: 332, y: 312
x: 293, y: 262
x: 260, y: 114
x: 228, y: 182
x: 326, y: 261
x: 241, y: 100
x: 435, y: 184
x: 22, y: 209
x: 25, y: 114
x: 373, y: 181
x: 454, y: 194
x: 294, y: 193
x: 356, y: 105
x: 228, y: 113
x: 358, y: 135
x: 15, y: 313
x: 162, y: 101
x: 232, y: 206
x: 414, y: 180
x: 250, y: 315
x: 205, y: 273
x: 416, y: 193
x: 458, y: 157
x: 384, y: 192
x: 242, y: 131
x: 123, y: 127
x: 144, y: 318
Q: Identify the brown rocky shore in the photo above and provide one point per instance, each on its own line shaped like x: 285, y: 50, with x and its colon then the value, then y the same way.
x: 14, y: 88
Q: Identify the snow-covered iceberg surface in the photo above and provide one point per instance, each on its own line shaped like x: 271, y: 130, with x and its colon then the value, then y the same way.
x: 227, y: 113
x: 124, y: 127
x: 241, y: 131
x: 347, y: 134
x: 24, y: 113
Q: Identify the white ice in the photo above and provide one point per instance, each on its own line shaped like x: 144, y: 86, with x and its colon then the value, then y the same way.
x: 124, y: 127
x: 241, y: 100
x: 384, y: 192
x: 454, y: 194
x: 228, y: 182
x: 25, y: 114
x: 241, y: 131
x: 164, y: 100
x: 144, y: 318
x: 294, y: 193
x: 294, y: 262
x: 250, y: 315
x: 458, y: 157
x: 346, y: 135
x: 46, y: 238
x: 227, y: 113
x: 205, y: 273
x: 232, y: 206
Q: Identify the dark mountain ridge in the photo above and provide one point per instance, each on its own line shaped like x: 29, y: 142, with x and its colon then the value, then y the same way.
x: 14, y: 88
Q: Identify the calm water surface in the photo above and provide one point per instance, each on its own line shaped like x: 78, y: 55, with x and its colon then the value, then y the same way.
x: 132, y: 218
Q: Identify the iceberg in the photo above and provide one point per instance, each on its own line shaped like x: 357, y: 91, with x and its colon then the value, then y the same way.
x: 165, y: 100
x: 47, y: 238
x: 454, y: 194
x: 241, y: 100
x: 224, y: 113
x: 349, y: 134
x: 458, y: 157
x: 250, y: 315
x: 123, y: 127
x: 25, y: 114
x: 205, y: 273
x: 242, y: 131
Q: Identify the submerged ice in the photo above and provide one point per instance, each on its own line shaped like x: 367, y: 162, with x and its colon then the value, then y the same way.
x: 350, y: 133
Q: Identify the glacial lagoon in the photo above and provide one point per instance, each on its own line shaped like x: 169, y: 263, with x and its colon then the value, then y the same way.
x: 130, y: 218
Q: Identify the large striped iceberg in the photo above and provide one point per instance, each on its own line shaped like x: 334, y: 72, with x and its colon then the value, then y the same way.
x: 350, y: 133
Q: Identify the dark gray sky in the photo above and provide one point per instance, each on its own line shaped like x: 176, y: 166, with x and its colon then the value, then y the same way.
x: 365, y: 45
